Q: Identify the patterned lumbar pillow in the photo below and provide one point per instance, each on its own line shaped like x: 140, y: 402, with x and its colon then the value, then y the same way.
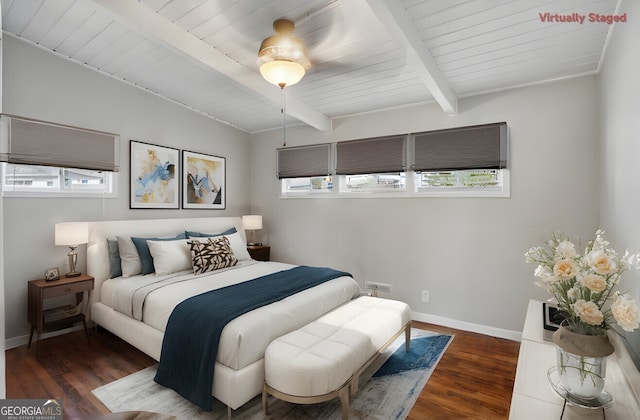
x: 212, y: 254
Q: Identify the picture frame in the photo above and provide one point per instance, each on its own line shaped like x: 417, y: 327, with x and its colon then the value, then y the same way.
x: 154, y: 173
x: 203, y: 181
x: 52, y: 274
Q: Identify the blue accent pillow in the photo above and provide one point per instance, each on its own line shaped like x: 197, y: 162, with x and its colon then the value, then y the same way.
x: 115, y: 264
x: 146, y: 260
x: 191, y: 234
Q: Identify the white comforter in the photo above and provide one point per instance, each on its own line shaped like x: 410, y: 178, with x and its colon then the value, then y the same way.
x: 244, y: 340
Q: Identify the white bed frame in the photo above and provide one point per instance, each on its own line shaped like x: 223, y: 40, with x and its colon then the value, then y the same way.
x: 231, y: 387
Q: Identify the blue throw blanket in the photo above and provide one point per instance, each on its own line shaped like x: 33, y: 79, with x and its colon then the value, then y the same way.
x: 190, y: 343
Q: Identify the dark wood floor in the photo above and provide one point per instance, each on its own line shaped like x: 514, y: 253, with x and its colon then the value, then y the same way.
x: 473, y: 380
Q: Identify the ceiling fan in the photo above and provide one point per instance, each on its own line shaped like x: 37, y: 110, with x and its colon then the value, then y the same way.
x: 282, y: 58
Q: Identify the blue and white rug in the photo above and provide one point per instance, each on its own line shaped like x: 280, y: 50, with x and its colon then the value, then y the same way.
x: 388, y: 389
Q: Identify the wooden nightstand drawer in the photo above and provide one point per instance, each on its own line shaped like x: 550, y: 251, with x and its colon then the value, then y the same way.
x: 67, y: 289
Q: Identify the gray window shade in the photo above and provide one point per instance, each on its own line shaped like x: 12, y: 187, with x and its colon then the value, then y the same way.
x: 31, y: 142
x: 475, y: 147
x: 304, y: 161
x: 370, y: 156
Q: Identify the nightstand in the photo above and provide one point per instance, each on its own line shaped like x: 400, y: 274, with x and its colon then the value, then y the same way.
x: 61, y: 317
x: 259, y: 252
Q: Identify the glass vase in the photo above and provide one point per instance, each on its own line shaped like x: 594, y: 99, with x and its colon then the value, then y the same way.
x: 581, y: 362
x: 581, y: 376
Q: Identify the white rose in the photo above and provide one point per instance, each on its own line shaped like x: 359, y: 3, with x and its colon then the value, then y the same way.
x: 588, y: 312
x: 566, y: 249
x: 572, y: 293
x: 601, y: 263
x: 544, y: 274
x: 594, y: 282
x: 625, y: 311
x: 565, y: 269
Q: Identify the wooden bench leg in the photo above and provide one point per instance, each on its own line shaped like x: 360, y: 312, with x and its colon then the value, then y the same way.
x: 355, y: 383
x: 407, y: 338
x: 265, y: 402
x: 344, y: 400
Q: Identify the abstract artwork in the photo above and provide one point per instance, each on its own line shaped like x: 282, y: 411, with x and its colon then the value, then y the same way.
x: 203, y: 181
x: 154, y: 176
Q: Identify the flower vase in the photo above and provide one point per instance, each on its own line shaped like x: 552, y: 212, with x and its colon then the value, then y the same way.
x: 581, y: 362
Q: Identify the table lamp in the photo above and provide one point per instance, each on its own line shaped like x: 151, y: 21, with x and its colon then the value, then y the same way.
x: 252, y: 222
x: 72, y: 234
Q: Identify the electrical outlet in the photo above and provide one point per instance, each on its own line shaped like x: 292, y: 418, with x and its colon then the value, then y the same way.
x: 425, y: 296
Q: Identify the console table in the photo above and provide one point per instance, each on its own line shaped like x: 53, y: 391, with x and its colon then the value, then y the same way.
x: 533, y: 397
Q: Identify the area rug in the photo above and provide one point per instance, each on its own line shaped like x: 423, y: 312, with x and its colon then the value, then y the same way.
x: 388, y: 389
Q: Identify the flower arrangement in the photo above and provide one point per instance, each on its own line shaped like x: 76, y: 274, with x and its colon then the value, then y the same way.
x: 582, y: 285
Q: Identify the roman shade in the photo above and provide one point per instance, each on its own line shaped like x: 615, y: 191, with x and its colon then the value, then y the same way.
x: 371, y: 156
x: 304, y: 161
x: 32, y: 142
x: 474, y: 147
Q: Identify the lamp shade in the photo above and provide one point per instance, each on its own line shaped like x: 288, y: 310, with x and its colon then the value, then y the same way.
x: 72, y: 233
x: 252, y: 222
x: 282, y: 72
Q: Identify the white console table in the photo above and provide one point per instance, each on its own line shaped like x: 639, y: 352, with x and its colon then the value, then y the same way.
x: 533, y: 397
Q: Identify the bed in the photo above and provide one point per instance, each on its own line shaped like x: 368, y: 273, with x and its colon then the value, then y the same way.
x: 239, y: 368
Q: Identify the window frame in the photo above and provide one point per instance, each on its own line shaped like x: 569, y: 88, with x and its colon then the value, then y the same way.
x: 111, y: 186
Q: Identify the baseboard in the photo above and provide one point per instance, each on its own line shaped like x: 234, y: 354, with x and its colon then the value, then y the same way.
x: 14, y: 342
x: 467, y: 326
x: 417, y: 316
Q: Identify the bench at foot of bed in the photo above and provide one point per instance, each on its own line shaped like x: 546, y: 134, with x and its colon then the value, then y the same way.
x: 324, y: 359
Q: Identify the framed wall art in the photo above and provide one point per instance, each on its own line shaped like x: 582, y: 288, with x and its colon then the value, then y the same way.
x: 203, y: 181
x: 154, y: 172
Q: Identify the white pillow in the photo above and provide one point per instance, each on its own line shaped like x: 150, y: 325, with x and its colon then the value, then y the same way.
x: 170, y: 256
x: 129, y: 258
x: 238, y: 246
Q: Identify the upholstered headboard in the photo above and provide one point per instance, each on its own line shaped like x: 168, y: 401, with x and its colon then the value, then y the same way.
x: 99, y: 232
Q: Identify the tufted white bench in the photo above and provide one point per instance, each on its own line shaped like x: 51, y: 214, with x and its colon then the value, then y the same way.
x: 324, y: 359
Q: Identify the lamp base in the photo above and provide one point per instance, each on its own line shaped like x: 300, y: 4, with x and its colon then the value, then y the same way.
x: 73, y: 274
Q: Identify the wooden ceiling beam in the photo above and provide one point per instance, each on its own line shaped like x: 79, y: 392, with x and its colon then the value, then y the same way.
x: 141, y: 19
x: 396, y: 20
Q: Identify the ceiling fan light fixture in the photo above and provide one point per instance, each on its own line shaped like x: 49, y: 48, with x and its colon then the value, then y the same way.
x: 282, y: 58
x: 282, y: 72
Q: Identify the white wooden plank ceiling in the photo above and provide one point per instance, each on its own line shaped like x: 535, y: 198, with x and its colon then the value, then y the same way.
x: 367, y: 55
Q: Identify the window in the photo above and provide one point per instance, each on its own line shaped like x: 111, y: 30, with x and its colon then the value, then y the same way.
x: 313, y: 185
x: 464, y: 162
x: 474, y: 179
x: 371, y: 165
x: 305, y: 170
x: 30, y: 180
x: 388, y: 182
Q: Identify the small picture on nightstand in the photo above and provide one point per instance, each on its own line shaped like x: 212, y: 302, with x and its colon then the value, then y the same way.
x: 52, y: 274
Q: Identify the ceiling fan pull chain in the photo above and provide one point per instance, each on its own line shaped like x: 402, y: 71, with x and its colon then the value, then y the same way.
x: 284, y: 118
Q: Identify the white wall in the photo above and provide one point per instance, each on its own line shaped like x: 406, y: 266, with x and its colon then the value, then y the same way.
x: 620, y: 111
x: 467, y: 251
x: 40, y: 85
x: 3, y: 389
